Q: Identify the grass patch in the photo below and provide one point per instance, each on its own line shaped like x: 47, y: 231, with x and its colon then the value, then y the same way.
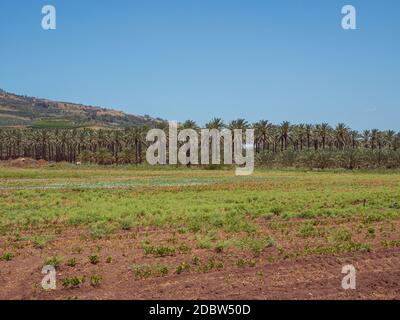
x: 72, y: 282
x: 54, y: 261
x: 94, y: 259
x: 95, y: 280
x: 7, y: 256
x: 242, y: 263
x: 183, y: 267
x: 71, y: 262
x: 144, y: 271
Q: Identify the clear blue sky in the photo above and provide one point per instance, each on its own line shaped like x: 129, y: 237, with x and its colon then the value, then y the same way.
x: 196, y: 59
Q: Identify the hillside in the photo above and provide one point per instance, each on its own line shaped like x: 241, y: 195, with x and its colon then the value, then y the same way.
x: 18, y: 110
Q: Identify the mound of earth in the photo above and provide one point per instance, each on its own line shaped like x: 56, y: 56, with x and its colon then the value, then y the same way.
x: 27, y: 162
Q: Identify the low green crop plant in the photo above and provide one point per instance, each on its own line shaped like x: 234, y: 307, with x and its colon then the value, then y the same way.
x: 160, y: 251
x: 276, y: 211
x: 94, y: 259
x: 95, y: 280
x: 143, y: 271
x: 212, y: 264
x: 100, y: 230
x: 72, y: 282
x: 7, y: 256
x: 71, y: 262
x: 242, y: 263
x: 40, y: 241
x: 221, y: 246
x: 182, y: 267
x: 126, y: 224
x: 341, y: 236
x: 54, y: 261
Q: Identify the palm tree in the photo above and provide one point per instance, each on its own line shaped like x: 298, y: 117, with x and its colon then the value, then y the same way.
x: 116, y: 137
x: 64, y: 138
x: 374, y: 138
x: 82, y: 140
x: 215, y: 123
x: 284, y: 134
x: 354, y: 136
x: 276, y: 137
x: 44, y: 136
x: 389, y: 138
x: 308, y: 131
x: 140, y: 141
x: 380, y: 140
x: 93, y: 140
x: 2, y: 140
x: 301, y: 135
x: 365, y: 138
x: 238, y: 124
x: 323, y: 132
x: 190, y: 124
x: 341, y: 135
x: 262, y: 130
x: 396, y: 141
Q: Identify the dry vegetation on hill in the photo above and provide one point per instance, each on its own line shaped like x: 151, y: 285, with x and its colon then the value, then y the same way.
x: 18, y: 110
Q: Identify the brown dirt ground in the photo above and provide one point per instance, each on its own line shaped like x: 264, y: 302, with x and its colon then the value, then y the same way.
x: 273, y: 276
x: 26, y: 163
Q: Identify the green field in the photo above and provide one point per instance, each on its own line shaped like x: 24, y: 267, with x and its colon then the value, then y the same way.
x: 196, y: 200
x: 163, y: 221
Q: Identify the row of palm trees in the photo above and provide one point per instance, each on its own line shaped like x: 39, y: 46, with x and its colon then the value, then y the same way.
x: 67, y: 144
x: 128, y: 145
x: 275, y: 138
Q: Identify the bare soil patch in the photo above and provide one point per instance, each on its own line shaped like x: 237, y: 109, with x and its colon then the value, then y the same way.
x: 125, y: 271
x: 26, y: 163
